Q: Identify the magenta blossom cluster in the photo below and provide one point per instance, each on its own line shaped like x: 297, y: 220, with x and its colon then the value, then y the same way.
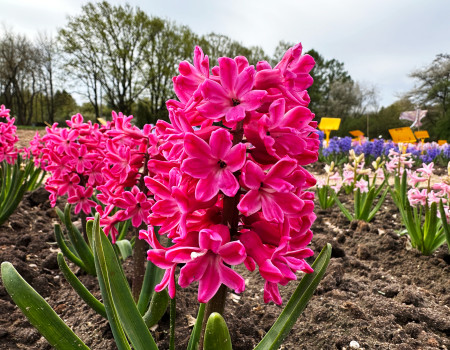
x: 227, y: 177
x: 74, y: 158
x: 86, y: 160
x: 8, y: 137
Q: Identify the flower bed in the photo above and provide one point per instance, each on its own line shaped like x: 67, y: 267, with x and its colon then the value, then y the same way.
x: 375, y: 291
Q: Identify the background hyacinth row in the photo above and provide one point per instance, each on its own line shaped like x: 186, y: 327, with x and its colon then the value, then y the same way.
x: 338, y: 149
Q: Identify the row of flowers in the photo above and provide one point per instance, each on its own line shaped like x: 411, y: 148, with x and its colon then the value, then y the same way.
x: 338, y: 150
x: 420, y: 196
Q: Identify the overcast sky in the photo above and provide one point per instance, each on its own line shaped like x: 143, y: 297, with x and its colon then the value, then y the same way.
x: 380, y: 42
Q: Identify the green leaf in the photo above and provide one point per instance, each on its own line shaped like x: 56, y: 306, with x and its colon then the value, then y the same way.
x: 197, y: 330
x: 378, y: 206
x: 102, y: 276
x: 343, y: 209
x: 82, y: 248
x: 367, y: 204
x: 82, y: 291
x: 217, y: 335
x: 157, y: 308
x: 125, y: 248
x: 445, y: 225
x: 128, y: 314
x: 38, y: 312
x: 66, y: 251
x: 303, y: 293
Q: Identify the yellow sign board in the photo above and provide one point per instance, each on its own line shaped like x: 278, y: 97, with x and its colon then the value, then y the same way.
x: 403, y: 135
x: 442, y: 142
x: 356, y: 133
x: 421, y: 134
x: 329, y: 124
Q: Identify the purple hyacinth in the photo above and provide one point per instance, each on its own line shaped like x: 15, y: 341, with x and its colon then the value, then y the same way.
x: 345, y: 144
x: 333, y: 147
x: 431, y: 154
x: 446, y: 151
x: 377, y: 148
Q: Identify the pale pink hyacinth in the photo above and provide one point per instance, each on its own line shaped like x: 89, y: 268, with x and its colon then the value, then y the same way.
x: 417, y: 197
x: 362, y: 185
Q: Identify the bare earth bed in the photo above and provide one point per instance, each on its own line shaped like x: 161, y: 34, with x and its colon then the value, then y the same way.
x: 375, y: 292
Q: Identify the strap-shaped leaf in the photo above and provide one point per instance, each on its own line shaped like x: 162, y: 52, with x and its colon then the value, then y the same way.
x: 38, y: 312
x: 217, y: 335
x: 125, y: 248
x: 129, y: 316
x: 343, y: 209
x: 445, y: 225
x: 82, y: 291
x: 197, y: 330
x: 157, y: 308
x: 102, y: 276
x: 367, y: 204
x: 83, y: 249
x: 66, y: 251
x: 297, y: 303
x: 378, y: 206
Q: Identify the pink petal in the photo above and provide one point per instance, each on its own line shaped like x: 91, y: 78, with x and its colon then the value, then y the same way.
x: 245, y: 81
x: 270, y: 272
x: 233, y: 253
x: 209, y: 240
x: 252, y: 176
x: 196, y: 147
x: 228, y: 183
x: 214, y: 92
x: 220, y: 143
x: 209, y: 283
x: 252, y: 100
x: 231, y: 279
x: 198, y: 168
x: 193, y: 271
x: 228, y: 73
x: 207, y: 188
x: 250, y: 203
x: 271, y: 210
x: 235, y: 114
x: 235, y: 158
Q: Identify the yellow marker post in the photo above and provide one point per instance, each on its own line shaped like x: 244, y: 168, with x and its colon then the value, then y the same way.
x: 358, y: 134
x: 442, y: 142
x: 328, y: 124
x: 422, y: 135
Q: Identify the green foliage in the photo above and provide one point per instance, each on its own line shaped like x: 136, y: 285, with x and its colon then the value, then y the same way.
x: 15, y: 180
x: 38, y: 312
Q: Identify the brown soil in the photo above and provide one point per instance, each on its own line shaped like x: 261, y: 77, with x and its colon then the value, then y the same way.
x: 376, y: 292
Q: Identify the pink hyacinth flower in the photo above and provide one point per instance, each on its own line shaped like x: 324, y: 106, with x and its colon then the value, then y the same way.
x: 234, y: 96
x: 81, y: 198
x: 205, y: 263
x: 270, y: 192
x: 213, y: 164
x: 362, y: 185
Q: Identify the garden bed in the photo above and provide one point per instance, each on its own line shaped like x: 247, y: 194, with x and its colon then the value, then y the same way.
x: 377, y: 291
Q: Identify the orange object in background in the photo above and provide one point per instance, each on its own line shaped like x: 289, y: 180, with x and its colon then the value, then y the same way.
x: 402, y: 135
x: 442, y: 142
x: 421, y: 134
x: 357, y: 134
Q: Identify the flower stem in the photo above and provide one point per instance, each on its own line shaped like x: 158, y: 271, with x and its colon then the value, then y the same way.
x: 230, y: 218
